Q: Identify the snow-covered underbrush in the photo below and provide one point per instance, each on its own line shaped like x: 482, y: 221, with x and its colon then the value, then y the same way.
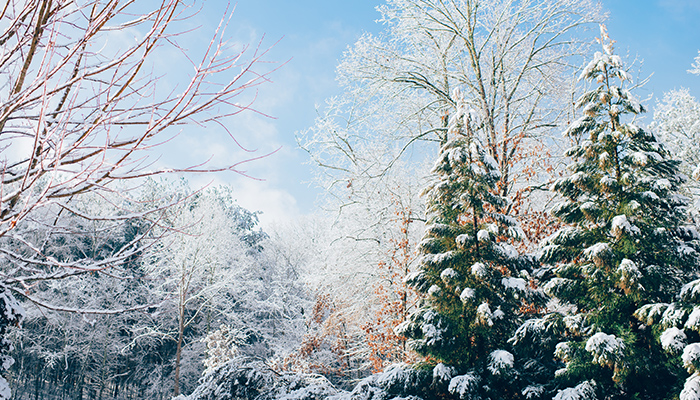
x: 252, y: 379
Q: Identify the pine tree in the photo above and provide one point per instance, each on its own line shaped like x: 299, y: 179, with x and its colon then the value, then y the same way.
x: 470, y: 276
x: 627, y: 243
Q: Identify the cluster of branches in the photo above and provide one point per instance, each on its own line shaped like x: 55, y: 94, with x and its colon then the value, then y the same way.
x: 82, y: 109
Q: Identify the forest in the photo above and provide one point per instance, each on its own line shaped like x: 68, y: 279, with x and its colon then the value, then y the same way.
x: 499, y: 219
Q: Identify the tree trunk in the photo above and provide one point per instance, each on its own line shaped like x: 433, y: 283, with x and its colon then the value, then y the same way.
x: 178, y: 354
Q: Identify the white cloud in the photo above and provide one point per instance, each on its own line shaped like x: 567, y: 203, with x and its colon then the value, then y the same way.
x: 277, y: 205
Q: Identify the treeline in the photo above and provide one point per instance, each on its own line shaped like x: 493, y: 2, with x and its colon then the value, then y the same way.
x: 210, y: 266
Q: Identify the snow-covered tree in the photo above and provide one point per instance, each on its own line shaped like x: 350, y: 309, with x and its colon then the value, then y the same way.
x: 355, y: 262
x: 627, y: 242
x: 473, y: 282
x: 199, y: 263
x: 677, y: 125
x: 512, y: 58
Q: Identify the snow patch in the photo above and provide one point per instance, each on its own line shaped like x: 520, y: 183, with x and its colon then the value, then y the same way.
x: 639, y: 158
x: 607, y: 180
x: 605, y: 349
x: 462, y: 240
x: 691, y: 357
x: 673, y: 340
x: 498, y: 314
x: 479, y: 270
x: 693, y: 321
x: 597, y: 251
x: 662, y: 184
x: 621, y: 225
x: 562, y: 351
x: 691, y: 388
x: 467, y: 295
x: 651, y: 313
x: 514, y: 283
x: 484, y: 314
x: 442, y: 373
x: 464, y: 386
x: 533, y: 391
x: 509, y: 251
x: 483, y: 235
x: 5, y: 392
x: 650, y: 195
x: 449, y: 275
x: 574, y: 323
x: 583, y: 391
x: 629, y: 273
x: 690, y: 292
x: 500, y: 362
x: 673, y: 316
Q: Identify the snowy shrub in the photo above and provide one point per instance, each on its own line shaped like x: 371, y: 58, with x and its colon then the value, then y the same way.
x: 691, y: 357
x: 673, y: 340
x: 246, y: 378
x: 605, y: 349
x: 465, y: 386
x: 501, y: 362
x: 583, y: 391
x: 691, y: 388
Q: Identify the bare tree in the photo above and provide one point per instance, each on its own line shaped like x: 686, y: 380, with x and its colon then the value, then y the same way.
x: 512, y: 59
x: 81, y: 110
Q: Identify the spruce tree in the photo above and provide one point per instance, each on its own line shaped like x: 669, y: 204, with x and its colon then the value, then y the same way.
x: 627, y: 243
x: 470, y: 276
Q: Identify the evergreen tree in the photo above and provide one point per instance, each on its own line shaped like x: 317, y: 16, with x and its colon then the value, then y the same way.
x: 470, y: 276
x: 627, y: 243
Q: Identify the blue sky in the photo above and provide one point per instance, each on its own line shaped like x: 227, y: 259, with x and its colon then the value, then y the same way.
x: 313, y: 34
